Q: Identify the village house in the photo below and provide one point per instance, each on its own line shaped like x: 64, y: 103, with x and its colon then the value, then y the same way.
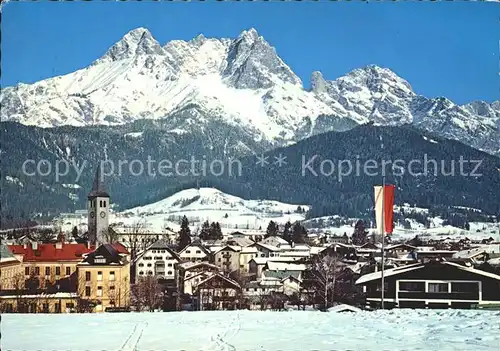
x: 264, y: 250
x: 188, y: 276
x: 434, y: 284
x: 227, y: 258
x: 11, y: 270
x: 194, y: 253
x: 104, y: 277
x: 246, y: 255
x: 218, y: 292
x: 274, y: 241
x: 158, y: 260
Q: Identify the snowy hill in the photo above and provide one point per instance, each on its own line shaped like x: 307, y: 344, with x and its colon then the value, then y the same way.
x: 243, y: 83
x: 199, y: 205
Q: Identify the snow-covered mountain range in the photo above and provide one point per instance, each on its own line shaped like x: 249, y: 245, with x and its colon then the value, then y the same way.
x: 243, y: 83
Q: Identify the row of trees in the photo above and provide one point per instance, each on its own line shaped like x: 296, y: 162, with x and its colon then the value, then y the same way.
x: 296, y: 233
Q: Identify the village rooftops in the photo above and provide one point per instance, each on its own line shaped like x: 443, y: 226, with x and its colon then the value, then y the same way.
x: 280, y: 274
x: 282, y: 266
x: 36, y: 252
x: 193, y: 265
x: 264, y: 260
x: 6, y: 256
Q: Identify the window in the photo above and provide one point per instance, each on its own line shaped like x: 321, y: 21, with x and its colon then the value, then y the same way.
x: 169, y: 272
x: 37, y: 270
x: 465, y: 287
x: 87, y: 276
x: 154, y: 251
x: 412, y: 286
x: 45, y: 308
x: 58, y: 270
x: 149, y: 264
x: 141, y: 264
x: 150, y: 272
x: 198, y: 251
x: 170, y: 264
x: 438, y: 287
x: 99, y: 260
x: 27, y: 271
x: 47, y: 270
x: 99, y: 276
x: 104, y: 203
x: 112, y: 275
x: 162, y: 251
x: 68, y: 270
x: 99, y: 291
x: 58, y: 307
x: 219, y: 260
x: 87, y: 291
x: 141, y: 272
x: 188, y: 251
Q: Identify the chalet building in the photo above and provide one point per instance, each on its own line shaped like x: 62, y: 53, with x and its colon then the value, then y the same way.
x: 194, y: 253
x: 188, y: 276
x: 283, y: 281
x: 218, y: 292
x: 264, y: 250
x: 435, y: 284
x: 246, y: 255
x: 158, y: 260
x: 104, y: 277
x: 274, y: 241
x: 227, y: 258
x: 258, y: 264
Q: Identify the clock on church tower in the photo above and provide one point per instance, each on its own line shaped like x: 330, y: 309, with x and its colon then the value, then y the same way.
x: 98, y: 210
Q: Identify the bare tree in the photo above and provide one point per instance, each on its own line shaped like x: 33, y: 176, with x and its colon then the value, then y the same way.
x: 110, y: 235
x: 327, y: 271
x: 147, y: 294
x: 135, y: 244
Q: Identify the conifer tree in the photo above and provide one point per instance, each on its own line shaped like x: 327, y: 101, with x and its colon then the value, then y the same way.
x: 184, y: 238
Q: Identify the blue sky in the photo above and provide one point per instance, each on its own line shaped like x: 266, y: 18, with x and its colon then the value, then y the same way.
x: 442, y: 49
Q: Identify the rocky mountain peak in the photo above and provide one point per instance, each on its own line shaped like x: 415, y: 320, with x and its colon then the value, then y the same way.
x: 318, y: 83
x: 138, y: 41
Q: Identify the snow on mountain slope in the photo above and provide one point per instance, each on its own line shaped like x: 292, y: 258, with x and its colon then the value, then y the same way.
x: 211, y: 199
x: 243, y: 82
x: 198, y: 205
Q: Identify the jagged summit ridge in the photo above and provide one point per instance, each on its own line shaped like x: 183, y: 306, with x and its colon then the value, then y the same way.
x: 243, y: 82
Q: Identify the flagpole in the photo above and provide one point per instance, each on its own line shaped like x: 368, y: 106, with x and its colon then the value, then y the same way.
x: 383, y: 229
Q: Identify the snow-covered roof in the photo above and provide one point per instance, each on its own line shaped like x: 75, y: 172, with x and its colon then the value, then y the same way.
x: 264, y: 260
x: 283, y: 266
x: 268, y: 247
x: 399, y: 270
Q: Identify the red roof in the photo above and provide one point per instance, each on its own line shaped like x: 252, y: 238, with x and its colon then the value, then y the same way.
x: 120, y: 248
x: 49, y: 252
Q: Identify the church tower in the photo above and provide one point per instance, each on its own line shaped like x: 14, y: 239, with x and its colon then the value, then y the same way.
x: 98, y: 211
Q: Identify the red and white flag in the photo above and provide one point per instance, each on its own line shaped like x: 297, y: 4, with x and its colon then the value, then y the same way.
x: 384, y: 208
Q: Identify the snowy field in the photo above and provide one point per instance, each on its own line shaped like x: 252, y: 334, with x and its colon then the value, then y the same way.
x: 254, y: 330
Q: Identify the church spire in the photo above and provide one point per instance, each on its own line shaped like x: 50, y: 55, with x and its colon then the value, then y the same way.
x: 98, y: 189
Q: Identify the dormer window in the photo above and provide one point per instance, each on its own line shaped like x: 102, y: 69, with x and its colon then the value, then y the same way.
x: 100, y: 260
